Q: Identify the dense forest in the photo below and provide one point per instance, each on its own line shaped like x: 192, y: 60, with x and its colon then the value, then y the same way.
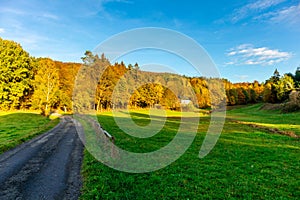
x: 44, y: 84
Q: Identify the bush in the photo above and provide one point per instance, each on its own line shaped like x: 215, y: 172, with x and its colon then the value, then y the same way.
x: 293, y: 104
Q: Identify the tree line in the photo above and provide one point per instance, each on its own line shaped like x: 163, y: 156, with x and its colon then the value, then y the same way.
x: 34, y: 83
x: 44, y: 84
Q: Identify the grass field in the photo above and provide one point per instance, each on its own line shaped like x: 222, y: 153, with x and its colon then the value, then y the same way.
x: 267, y: 118
x: 18, y: 127
x: 246, y: 163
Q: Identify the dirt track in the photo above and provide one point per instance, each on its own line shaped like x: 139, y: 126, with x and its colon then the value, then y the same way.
x: 47, y: 167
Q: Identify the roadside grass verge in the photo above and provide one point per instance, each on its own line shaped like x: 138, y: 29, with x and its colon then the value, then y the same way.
x: 18, y: 127
x: 246, y: 163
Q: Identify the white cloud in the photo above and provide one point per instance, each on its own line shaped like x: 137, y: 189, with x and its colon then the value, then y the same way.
x: 290, y: 15
x: 263, y: 4
x: 49, y: 16
x: 232, y: 53
x: 247, y: 54
x: 2, y: 30
x: 253, y: 9
x: 229, y: 63
x: 11, y: 11
x: 18, y: 12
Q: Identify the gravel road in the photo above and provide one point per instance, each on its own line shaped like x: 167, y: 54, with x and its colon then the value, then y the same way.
x: 46, y: 167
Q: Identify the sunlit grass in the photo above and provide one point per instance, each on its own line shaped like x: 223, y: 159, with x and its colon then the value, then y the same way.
x: 18, y: 127
x: 267, y: 118
x: 246, y: 163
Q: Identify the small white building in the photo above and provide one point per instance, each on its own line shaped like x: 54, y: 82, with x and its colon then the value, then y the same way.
x: 185, y: 101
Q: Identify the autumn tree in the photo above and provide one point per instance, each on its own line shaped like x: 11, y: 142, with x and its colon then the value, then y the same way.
x: 46, y: 85
x: 67, y: 74
x: 170, y: 100
x: 149, y: 94
x: 202, y: 92
x: 107, y: 84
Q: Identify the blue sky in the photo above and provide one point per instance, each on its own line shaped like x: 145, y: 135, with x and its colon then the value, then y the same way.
x: 246, y: 39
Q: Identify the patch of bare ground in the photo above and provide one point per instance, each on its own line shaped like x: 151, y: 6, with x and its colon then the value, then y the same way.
x: 268, y: 129
x: 292, y: 105
x: 271, y: 106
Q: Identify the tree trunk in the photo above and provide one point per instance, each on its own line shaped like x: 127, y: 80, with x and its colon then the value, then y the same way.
x: 46, y: 110
x: 98, y: 104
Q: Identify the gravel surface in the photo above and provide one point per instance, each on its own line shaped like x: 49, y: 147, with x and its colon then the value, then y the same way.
x: 46, y: 167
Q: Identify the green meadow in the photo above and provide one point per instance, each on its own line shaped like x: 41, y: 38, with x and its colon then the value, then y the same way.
x: 246, y: 163
x: 18, y: 127
x: 267, y: 118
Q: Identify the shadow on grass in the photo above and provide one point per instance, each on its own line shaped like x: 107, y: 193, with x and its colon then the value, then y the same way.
x: 245, y: 164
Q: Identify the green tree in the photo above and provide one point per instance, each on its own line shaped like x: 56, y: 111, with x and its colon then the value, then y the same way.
x: 242, y: 97
x: 16, y: 73
x: 297, y: 77
x: 46, y: 85
x: 283, y: 87
x: 252, y: 95
x: 233, y: 96
x: 88, y: 92
x: 272, y: 85
x: 267, y: 93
